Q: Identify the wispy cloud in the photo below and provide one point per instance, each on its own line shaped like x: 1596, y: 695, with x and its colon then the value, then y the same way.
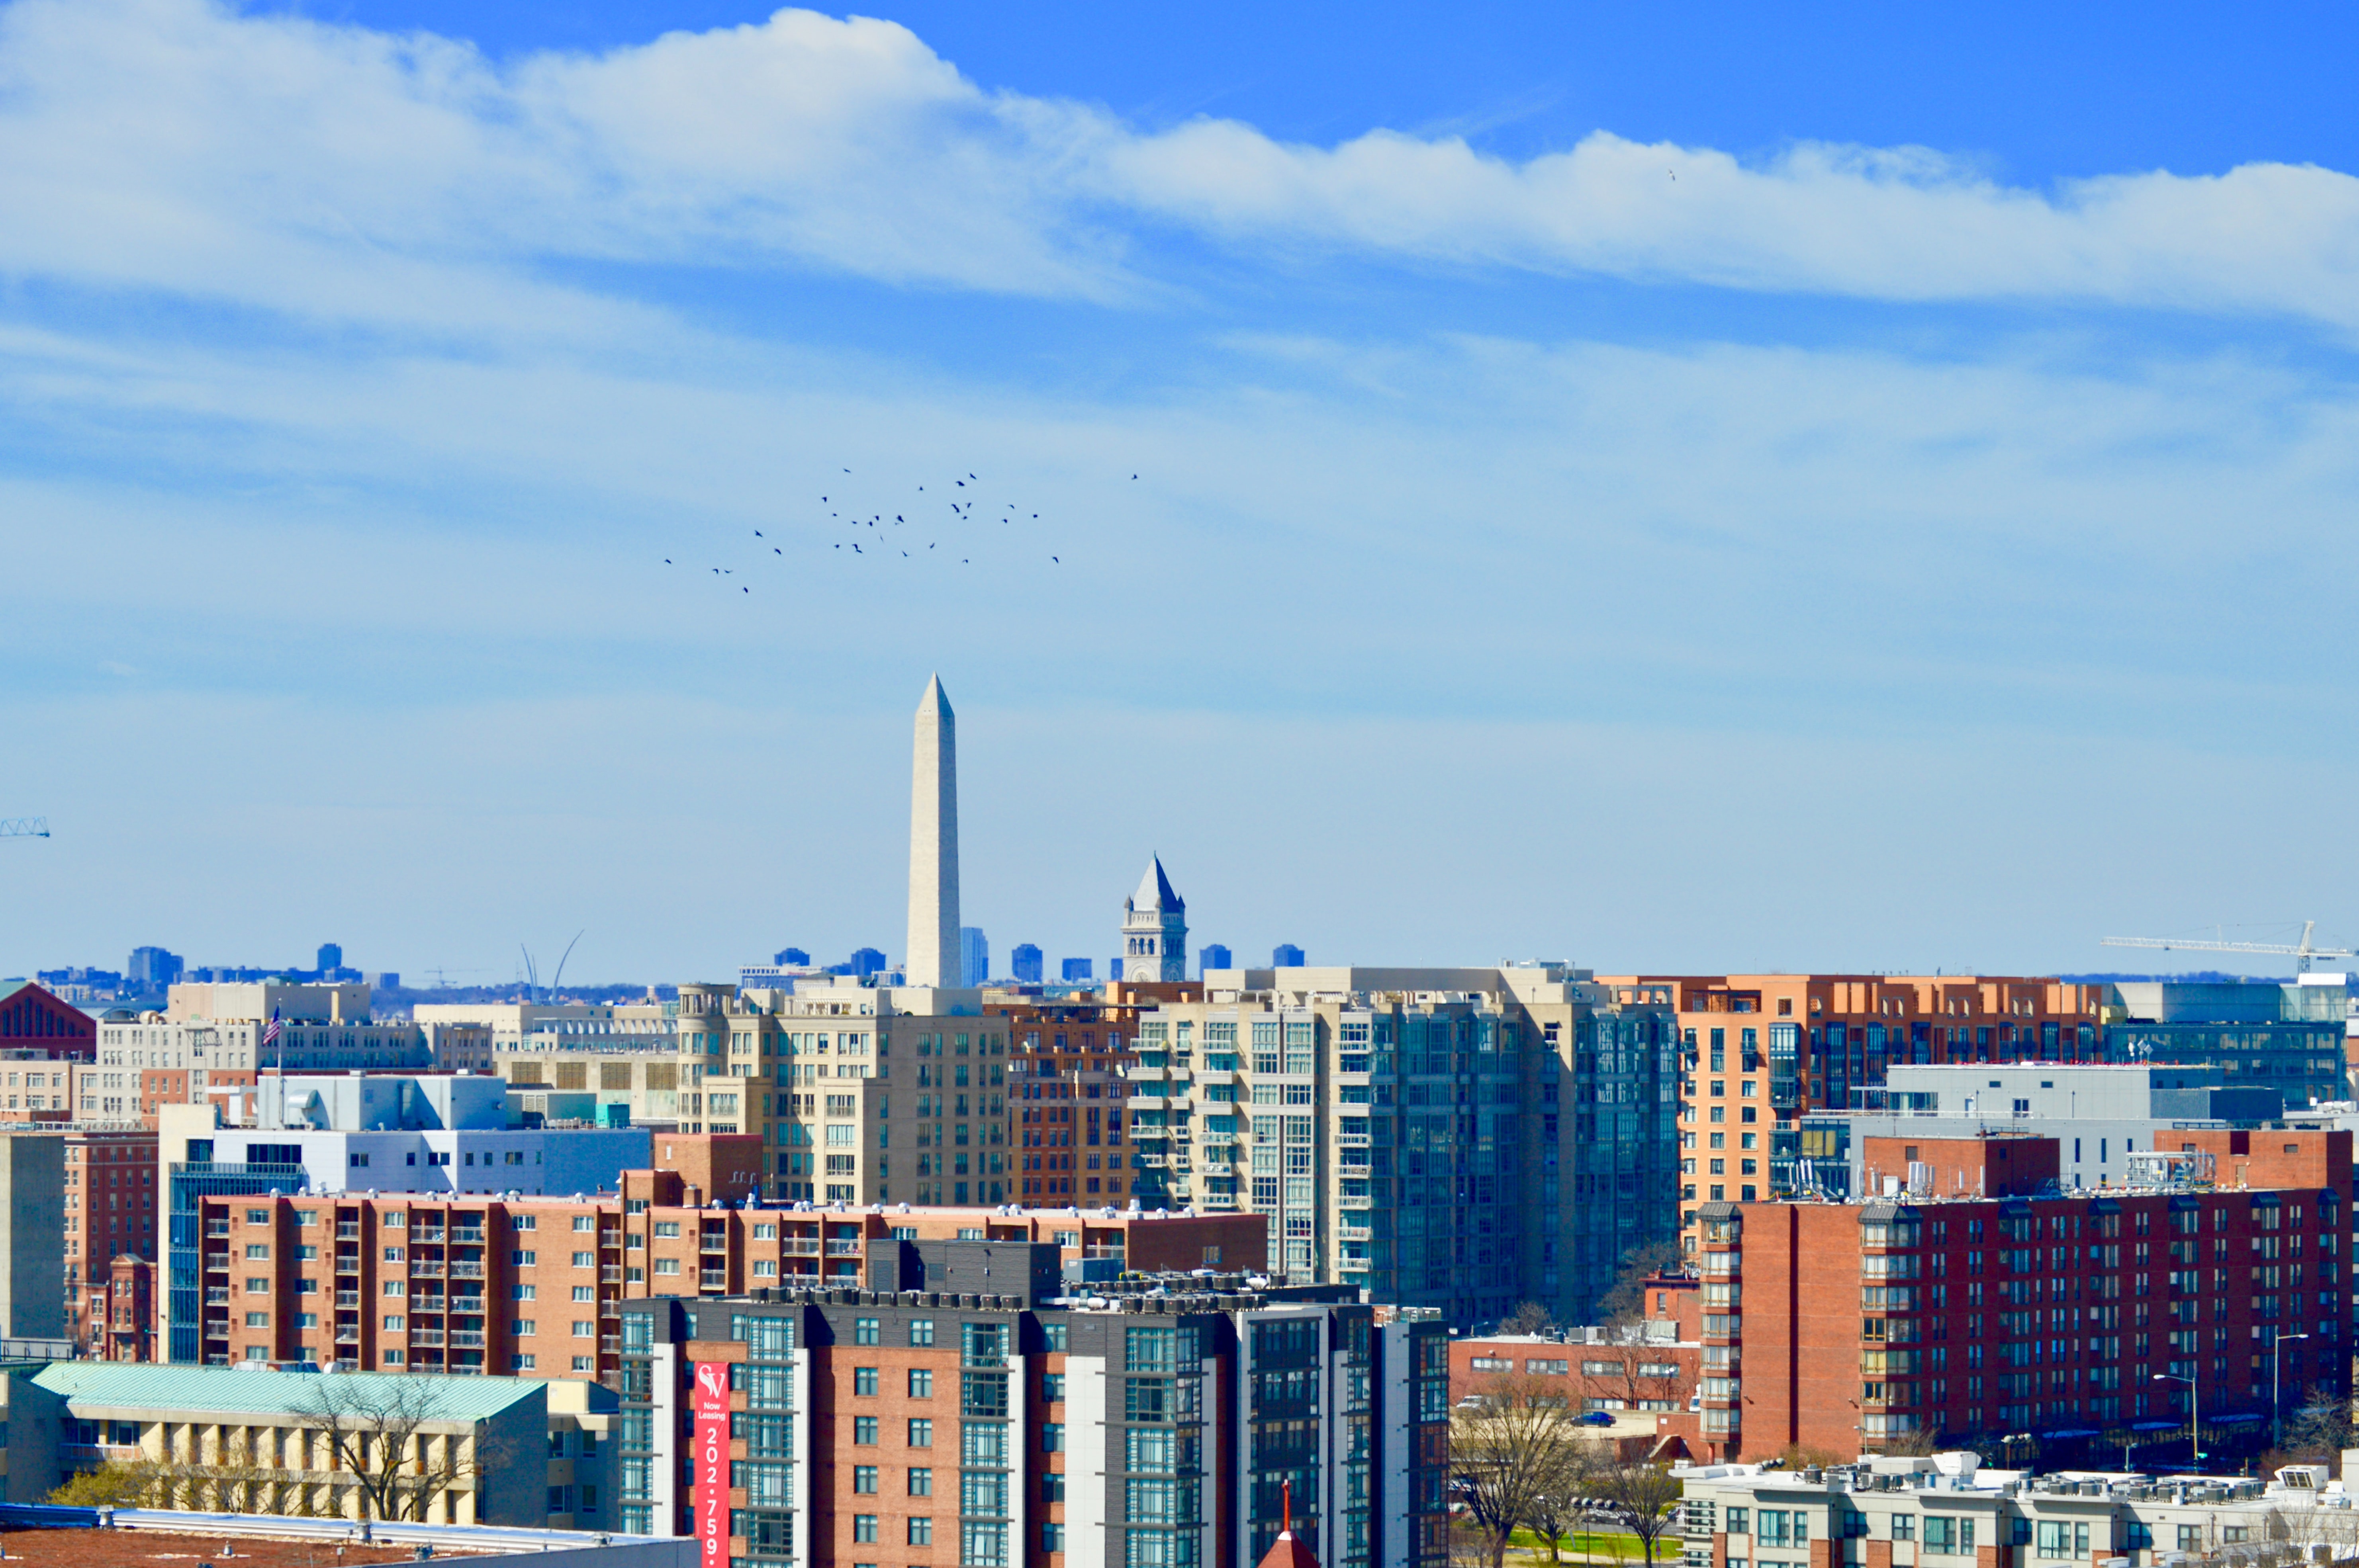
x: 339, y: 172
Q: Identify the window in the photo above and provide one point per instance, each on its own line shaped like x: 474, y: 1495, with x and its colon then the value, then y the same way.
x: 921, y: 1532
x: 584, y: 1293
x: 2068, y: 1538
x: 524, y: 1292
x: 921, y: 1383
x: 584, y: 1260
x: 863, y: 1431
x: 863, y: 1527
x: 864, y: 1330
x: 921, y: 1482
x: 1904, y: 1526
x: 1949, y: 1536
x: 863, y: 1479
x: 527, y: 1328
x: 921, y: 1331
x: 1053, y: 1437
x: 921, y: 1434
x: 864, y: 1380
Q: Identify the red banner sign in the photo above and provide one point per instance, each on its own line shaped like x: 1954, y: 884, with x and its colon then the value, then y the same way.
x: 711, y: 1489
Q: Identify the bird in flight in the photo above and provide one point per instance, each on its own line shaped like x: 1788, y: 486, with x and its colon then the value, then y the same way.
x: 1054, y: 558
x: 666, y: 560
x: 757, y: 532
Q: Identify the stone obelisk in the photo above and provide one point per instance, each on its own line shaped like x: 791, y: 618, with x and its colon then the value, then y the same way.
x: 934, y: 956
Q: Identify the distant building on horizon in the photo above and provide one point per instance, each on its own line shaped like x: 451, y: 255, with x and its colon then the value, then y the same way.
x: 974, y: 956
x: 1077, y: 970
x: 332, y: 957
x: 792, y: 957
x: 152, y: 969
x: 866, y: 961
x: 1214, y: 955
x: 1285, y: 955
x: 1023, y: 963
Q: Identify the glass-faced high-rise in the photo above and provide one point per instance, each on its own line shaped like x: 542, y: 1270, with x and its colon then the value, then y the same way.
x: 1462, y: 1140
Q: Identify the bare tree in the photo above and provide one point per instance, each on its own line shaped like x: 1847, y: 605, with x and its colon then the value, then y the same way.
x: 1512, y: 1443
x: 1553, y: 1514
x: 377, y: 1432
x: 1529, y: 1317
x: 1627, y: 1298
x: 1645, y: 1493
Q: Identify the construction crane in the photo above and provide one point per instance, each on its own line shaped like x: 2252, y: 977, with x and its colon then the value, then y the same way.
x: 24, y: 828
x: 2301, y: 952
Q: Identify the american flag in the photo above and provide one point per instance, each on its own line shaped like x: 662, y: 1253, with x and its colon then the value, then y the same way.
x: 270, y: 1035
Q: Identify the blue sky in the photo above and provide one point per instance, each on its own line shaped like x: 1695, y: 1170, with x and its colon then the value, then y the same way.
x: 1715, y: 487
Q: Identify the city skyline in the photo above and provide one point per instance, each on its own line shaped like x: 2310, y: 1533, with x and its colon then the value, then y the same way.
x: 1748, y: 495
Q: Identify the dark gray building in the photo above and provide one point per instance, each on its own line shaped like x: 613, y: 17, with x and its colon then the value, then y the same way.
x: 969, y: 1405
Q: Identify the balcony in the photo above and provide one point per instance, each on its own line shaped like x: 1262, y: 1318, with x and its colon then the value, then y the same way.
x: 1354, y: 1233
x: 421, y: 1269
x: 851, y: 1249
x: 427, y: 1233
x: 801, y: 1246
x: 217, y: 1295
x: 348, y: 1298
x: 609, y: 1344
x: 348, y: 1230
x: 466, y: 1338
x: 425, y: 1336
x: 467, y: 1271
x: 464, y: 1233
x: 609, y: 1273
x: 217, y: 1227
x: 216, y: 1262
x: 348, y: 1333
x: 714, y: 1246
x: 712, y: 1280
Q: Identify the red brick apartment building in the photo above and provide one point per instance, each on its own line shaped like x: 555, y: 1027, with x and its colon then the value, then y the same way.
x: 1757, y: 1050
x: 1063, y: 1056
x: 113, y: 1207
x: 471, y: 1283
x: 1846, y: 1327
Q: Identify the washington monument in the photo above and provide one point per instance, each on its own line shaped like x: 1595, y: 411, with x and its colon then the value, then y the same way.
x: 933, y: 953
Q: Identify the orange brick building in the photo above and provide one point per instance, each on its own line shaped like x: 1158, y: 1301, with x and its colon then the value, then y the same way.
x: 1067, y: 1091
x: 1757, y: 1050
x: 474, y: 1283
x: 1848, y: 1328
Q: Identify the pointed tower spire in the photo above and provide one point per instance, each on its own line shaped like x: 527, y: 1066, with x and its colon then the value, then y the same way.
x: 1155, y: 929
x: 933, y: 953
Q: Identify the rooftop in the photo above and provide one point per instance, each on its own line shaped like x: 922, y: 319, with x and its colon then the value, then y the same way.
x: 225, y: 1391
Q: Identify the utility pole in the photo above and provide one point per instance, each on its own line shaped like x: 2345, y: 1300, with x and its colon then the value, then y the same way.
x: 2276, y: 1359
x: 2194, y: 1419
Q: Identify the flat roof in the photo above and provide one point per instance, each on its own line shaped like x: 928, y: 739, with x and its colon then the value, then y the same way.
x: 225, y: 1391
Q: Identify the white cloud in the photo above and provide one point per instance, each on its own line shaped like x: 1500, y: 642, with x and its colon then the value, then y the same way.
x: 339, y: 172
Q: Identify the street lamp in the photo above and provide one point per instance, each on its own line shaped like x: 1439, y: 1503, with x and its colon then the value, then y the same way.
x: 2276, y: 1359
x: 2194, y: 1417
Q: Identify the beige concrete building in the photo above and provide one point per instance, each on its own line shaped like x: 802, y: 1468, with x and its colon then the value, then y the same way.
x: 861, y: 1094
x: 476, y: 1450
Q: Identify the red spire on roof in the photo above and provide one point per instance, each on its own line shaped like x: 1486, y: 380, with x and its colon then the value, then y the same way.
x: 1285, y: 1551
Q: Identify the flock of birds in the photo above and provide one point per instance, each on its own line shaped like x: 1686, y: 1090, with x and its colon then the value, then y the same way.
x: 886, y: 534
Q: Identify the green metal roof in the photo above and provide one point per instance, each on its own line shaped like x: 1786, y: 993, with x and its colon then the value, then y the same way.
x: 223, y: 1391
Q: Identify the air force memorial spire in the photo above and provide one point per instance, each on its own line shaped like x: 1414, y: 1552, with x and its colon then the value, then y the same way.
x: 933, y: 952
